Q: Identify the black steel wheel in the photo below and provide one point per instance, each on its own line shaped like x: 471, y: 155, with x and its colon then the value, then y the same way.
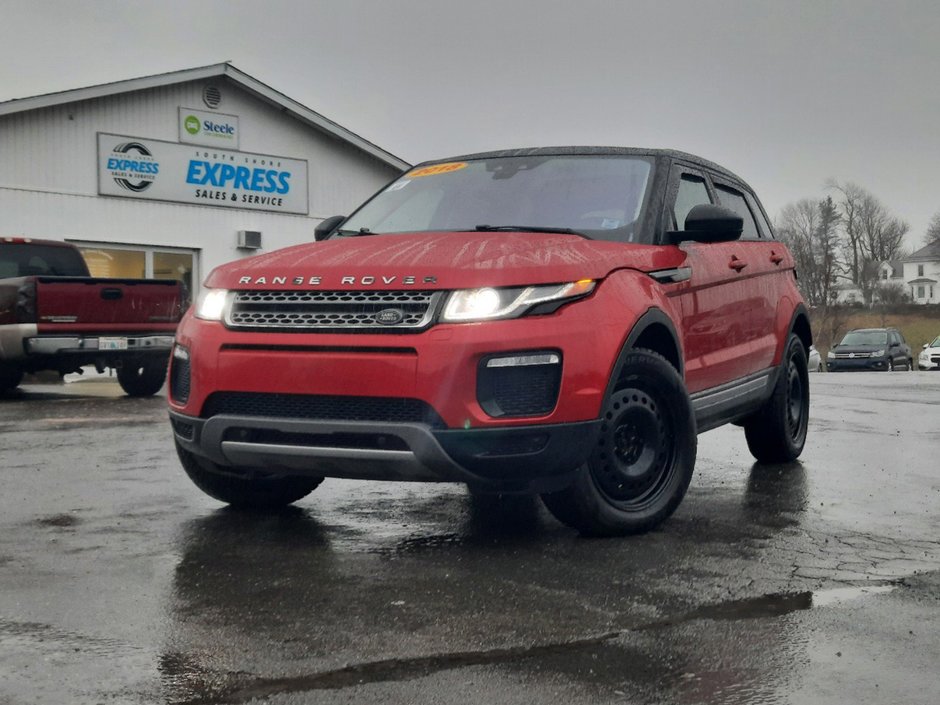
x: 246, y: 490
x: 777, y: 433
x: 642, y: 462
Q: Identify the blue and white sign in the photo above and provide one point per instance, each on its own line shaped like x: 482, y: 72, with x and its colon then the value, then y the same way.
x: 209, y: 129
x: 134, y: 167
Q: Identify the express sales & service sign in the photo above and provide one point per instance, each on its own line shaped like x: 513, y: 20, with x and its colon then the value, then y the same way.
x: 133, y: 167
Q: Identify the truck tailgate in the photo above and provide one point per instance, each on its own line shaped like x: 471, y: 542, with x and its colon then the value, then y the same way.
x: 90, y: 301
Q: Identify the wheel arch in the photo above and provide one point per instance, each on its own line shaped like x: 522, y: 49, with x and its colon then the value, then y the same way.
x: 654, y: 331
x: 800, y: 325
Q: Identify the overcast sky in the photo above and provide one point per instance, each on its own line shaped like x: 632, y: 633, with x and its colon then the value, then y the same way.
x: 786, y: 94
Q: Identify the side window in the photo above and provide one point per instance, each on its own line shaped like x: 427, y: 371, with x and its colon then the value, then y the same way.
x: 692, y: 192
x: 762, y: 225
x: 735, y: 201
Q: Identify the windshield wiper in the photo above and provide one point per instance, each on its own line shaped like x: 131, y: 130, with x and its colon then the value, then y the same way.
x: 525, y: 228
x: 353, y: 233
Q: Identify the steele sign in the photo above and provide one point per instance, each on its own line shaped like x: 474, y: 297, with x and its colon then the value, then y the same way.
x: 209, y: 129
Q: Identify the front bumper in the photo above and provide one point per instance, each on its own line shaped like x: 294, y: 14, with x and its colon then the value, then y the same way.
x: 519, y: 458
x: 850, y: 364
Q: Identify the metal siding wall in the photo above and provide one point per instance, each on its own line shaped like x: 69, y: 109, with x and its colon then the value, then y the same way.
x: 48, y: 174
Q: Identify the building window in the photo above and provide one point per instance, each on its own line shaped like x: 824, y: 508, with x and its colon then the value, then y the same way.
x: 130, y: 262
x: 920, y: 270
x: 920, y: 292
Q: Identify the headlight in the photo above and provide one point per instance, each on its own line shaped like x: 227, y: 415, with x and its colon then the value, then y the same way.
x: 211, y: 304
x: 830, y: 355
x: 878, y: 353
x: 923, y: 355
x: 487, y: 303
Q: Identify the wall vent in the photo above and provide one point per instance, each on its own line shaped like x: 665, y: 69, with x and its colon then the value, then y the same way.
x: 249, y: 239
x: 212, y: 96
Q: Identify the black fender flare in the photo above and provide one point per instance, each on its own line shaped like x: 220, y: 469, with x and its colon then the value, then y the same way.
x: 652, y: 317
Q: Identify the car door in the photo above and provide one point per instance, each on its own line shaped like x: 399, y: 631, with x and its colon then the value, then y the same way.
x: 763, y: 263
x: 713, y: 299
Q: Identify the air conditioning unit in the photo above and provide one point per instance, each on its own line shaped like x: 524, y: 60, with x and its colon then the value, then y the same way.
x: 249, y: 239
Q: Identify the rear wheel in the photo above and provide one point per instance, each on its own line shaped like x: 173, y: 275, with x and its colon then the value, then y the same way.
x: 777, y: 433
x: 248, y: 491
x: 642, y: 463
x: 142, y: 378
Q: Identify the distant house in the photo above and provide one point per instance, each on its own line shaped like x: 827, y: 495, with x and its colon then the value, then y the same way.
x: 922, y: 274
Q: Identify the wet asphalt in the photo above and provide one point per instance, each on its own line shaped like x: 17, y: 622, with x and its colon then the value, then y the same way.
x: 816, y: 582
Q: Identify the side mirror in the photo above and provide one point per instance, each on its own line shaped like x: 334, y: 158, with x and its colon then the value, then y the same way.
x: 708, y: 222
x: 322, y: 231
x: 926, y: 345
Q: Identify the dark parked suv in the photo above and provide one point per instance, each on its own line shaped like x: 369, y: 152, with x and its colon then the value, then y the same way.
x: 871, y: 349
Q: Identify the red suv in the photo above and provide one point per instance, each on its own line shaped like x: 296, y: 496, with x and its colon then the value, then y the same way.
x: 560, y: 321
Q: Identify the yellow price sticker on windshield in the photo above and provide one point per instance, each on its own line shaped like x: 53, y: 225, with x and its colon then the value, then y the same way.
x: 435, y: 169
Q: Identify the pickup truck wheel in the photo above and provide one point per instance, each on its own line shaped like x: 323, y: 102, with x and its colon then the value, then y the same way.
x: 142, y: 378
x: 10, y: 378
x: 777, y: 433
x: 642, y: 463
x: 245, y: 492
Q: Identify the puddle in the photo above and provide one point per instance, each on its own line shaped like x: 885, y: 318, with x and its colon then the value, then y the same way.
x: 836, y: 596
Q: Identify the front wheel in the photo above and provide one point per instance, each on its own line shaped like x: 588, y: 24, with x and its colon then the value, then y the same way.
x: 642, y: 462
x: 142, y: 378
x: 244, y: 491
x: 777, y: 433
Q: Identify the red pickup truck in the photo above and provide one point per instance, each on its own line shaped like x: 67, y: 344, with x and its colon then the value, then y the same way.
x: 55, y: 316
x: 560, y: 321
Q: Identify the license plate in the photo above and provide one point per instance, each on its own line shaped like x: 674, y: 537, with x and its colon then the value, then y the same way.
x: 112, y: 343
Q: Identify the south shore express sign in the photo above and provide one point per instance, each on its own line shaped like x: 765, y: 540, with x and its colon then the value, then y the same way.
x: 133, y: 167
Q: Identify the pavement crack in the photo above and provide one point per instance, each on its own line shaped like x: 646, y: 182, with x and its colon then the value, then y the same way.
x: 397, y: 669
x: 401, y: 669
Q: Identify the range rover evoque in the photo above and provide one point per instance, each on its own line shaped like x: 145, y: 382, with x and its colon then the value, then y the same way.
x: 560, y: 321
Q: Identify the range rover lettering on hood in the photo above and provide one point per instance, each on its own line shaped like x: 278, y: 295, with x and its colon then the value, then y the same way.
x: 344, y: 281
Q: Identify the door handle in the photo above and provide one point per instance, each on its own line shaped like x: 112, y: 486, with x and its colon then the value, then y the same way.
x: 775, y: 258
x: 736, y: 264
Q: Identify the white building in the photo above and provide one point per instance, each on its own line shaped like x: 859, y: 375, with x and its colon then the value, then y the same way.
x: 922, y: 274
x: 168, y: 176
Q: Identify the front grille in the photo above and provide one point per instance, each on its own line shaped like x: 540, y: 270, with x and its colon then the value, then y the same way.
x: 322, y: 407
x: 853, y: 356
x: 355, y: 311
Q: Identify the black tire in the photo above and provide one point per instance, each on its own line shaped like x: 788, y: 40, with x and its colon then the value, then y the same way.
x: 642, y: 463
x: 248, y: 491
x: 777, y: 433
x: 10, y: 378
x: 142, y: 378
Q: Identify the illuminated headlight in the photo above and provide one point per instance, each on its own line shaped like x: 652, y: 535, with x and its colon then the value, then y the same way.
x: 487, y: 303
x: 211, y: 304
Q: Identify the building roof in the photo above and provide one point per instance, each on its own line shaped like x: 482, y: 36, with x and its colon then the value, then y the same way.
x: 248, y: 83
x: 928, y: 253
x: 923, y: 280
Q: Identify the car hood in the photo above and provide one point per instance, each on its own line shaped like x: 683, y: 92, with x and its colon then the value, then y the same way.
x: 441, y: 261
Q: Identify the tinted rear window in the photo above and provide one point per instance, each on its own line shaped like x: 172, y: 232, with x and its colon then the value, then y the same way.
x: 23, y: 259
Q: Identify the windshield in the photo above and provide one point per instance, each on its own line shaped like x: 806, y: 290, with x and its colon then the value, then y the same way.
x: 598, y: 196
x: 865, y: 337
x: 935, y: 343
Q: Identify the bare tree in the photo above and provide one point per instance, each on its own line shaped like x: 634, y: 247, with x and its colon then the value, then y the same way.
x: 872, y: 233
x: 809, y: 229
x: 933, y: 229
